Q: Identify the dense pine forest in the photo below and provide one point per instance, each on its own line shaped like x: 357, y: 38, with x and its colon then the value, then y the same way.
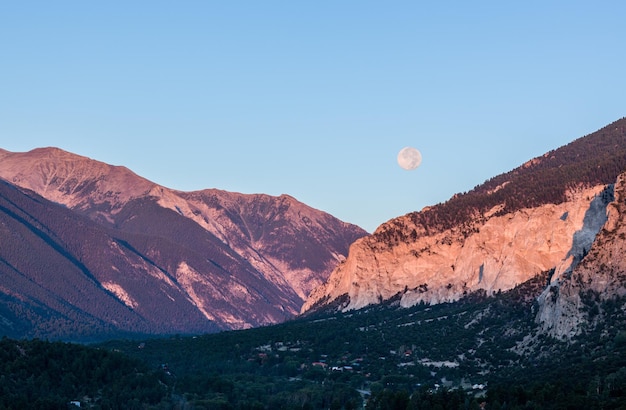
x: 36, y: 374
x: 480, y: 351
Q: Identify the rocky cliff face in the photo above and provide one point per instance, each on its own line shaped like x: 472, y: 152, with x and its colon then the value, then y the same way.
x: 572, y: 300
x: 541, y: 216
x: 498, y: 253
x: 237, y: 260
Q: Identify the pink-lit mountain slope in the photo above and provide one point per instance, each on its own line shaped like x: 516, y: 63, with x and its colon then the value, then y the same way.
x: 542, y: 216
x: 140, y: 257
x: 577, y: 299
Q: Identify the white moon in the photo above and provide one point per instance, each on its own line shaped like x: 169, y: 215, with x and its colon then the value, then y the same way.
x: 409, y: 158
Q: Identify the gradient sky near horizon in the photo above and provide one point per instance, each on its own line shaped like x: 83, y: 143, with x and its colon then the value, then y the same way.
x: 311, y: 99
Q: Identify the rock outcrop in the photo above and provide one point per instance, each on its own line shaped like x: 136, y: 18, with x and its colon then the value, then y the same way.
x: 498, y: 253
x: 572, y: 301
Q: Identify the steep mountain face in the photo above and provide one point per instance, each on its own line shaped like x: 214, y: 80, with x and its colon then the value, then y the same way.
x: 541, y: 216
x: 63, y: 275
x: 573, y: 301
x: 170, y: 261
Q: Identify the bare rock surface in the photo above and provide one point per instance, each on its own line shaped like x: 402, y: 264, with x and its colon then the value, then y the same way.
x: 500, y: 253
x: 567, y: 304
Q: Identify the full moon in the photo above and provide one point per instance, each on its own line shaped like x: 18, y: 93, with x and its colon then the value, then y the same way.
x: 409, y: 158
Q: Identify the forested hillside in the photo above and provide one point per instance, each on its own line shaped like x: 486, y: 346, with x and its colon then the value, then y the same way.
x: 58, y: 277
x: 451, y: 356
x: 43, y: 375
x: 480, y: 351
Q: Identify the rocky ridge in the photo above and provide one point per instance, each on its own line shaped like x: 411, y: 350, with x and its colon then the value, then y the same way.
x: 571, y: 302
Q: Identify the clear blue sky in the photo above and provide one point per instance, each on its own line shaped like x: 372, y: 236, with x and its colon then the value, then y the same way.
x: 311, y: 98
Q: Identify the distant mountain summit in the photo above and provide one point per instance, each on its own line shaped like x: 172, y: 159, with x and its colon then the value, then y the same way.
x: 542, y: 216
x: 134, y: 256
x: 72, y: 180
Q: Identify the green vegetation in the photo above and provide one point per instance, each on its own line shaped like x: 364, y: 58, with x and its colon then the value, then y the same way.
x: 478, y: 351
x: 42, y: 375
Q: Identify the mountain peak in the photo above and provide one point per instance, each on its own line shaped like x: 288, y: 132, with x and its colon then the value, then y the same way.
x: 161, y: 260
x: 71, y: 179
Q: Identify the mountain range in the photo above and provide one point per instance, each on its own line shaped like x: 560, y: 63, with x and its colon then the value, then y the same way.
x: 509, y: 296
x: 88, y: 249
